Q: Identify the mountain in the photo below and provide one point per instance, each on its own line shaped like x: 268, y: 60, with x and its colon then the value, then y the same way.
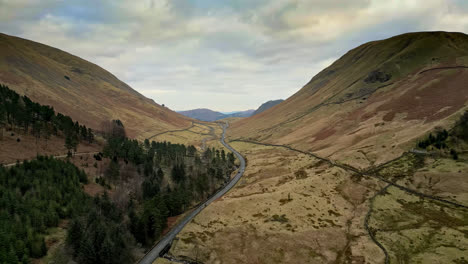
x: 80, y: 89
x: 267, y: 105
x: 245, y: 113
x: 334, y: 161
x: 373, y: 102
x: 204, y: 114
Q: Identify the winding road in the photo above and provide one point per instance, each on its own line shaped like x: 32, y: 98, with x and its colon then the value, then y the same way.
x: 154, y: 253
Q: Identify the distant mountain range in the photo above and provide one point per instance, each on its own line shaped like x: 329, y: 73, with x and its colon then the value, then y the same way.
x: 205, y: 114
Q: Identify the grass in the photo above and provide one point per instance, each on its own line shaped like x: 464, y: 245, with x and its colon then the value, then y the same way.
x: 90, y: 95
x: 279, y: 218
x: 414, y: 229
x: 404, y: 167
x: 255, y: 224
x: 298, y: 122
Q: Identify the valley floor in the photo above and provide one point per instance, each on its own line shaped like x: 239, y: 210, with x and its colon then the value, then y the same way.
x: 291, y: 207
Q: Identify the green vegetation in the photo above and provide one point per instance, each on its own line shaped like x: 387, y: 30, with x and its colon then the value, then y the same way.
x: 100, y: 235
x: 438, y: 141
x: 414, y: 230
x: 402, y: 167
x: 279, y: 218
x: 34, y: 196
x: 410, y: 228
x: 193, y: 178
x: 40, y: 120
x: 448, y: 141
x: 461, y: 127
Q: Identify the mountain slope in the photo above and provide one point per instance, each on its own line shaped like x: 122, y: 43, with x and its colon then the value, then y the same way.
x: 80, y: 89
x: 266, y: 106
x: 368, y: 106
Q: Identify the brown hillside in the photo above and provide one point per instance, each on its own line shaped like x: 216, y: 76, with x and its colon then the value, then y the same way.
x: 80, y: 89
x: 368, y: 105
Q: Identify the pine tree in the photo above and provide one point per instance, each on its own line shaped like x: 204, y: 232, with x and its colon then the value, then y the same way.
x: 90, y: 136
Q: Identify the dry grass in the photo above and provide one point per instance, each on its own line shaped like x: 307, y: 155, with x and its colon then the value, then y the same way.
x: 26, y: 148
x: 338, y: 114
x: 272, y: 217
x: 91, y: 95
x: 200, y: 135
x: 415, y: 231
x: 445, y: 178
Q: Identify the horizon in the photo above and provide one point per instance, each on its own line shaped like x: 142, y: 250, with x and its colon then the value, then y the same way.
x: 224, y: 55
x: 222, y: 112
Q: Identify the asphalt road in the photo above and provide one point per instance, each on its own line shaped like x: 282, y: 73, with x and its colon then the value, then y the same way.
x: 153, y: 254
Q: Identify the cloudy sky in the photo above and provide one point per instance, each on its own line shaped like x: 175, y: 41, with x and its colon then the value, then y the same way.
x: 224, y: 55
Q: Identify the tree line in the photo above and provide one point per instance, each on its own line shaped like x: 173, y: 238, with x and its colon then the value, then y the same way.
x: 175, y: 177
x: 448, y: 140
x: 37, y: 195
x: 21, y: 113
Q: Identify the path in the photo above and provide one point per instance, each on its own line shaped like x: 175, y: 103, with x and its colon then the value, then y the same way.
x: 57, y: 157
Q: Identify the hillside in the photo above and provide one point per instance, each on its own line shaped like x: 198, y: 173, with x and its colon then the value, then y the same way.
x: 204, y: 114
x: 369, y: 105
x: 266, y: 106
x: 371, y: 153
x: 80, y: 89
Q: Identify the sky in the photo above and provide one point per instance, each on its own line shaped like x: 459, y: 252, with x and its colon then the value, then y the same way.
x: 224, y: 55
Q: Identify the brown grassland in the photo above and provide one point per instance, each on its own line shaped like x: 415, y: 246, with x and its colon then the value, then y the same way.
x: 80, y: 89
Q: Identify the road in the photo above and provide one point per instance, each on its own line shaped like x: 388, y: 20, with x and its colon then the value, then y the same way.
x: 153, y: 254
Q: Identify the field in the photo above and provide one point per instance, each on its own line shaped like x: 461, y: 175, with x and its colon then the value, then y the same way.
x: 199, y: 134
x: 288, y: 205
x: 283, y: 211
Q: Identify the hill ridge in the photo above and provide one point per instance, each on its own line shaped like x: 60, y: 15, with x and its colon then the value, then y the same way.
x: 376, y: 83
x: 80, y: 89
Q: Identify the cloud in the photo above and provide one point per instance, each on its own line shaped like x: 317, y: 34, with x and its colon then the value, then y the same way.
x: 225, y: 55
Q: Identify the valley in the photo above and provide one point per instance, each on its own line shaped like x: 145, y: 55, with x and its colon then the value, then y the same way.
x: 165, y: 242
x: 323, y: 184
x: 366, y: 163
x: 359, y: 179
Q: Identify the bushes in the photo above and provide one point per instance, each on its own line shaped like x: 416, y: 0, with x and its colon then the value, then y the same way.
x: 438, y: 141
x: 377, y: 76
x: 454, y: 154
x: 461, y: 127
x: 443, y: 139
